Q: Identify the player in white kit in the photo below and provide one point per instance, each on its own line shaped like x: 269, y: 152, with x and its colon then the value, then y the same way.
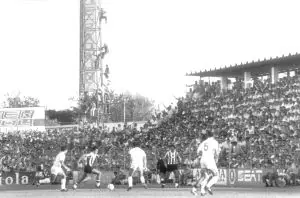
x: 209, y: 151
x: 138, y: 162
x: 58, y: 165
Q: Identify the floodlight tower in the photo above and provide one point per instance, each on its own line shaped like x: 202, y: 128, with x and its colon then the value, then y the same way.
x: 92, y: 51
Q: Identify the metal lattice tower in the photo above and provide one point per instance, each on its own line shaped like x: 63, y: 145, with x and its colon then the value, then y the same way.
x: 92, y: 50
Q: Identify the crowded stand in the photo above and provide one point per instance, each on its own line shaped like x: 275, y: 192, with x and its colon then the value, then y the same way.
x: 256, y: 127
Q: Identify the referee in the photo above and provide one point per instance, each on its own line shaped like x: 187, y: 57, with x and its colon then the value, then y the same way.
x: 172, y: 160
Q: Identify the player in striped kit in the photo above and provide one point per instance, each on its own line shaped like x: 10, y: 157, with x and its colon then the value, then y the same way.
x: 88, y: 160
x: 57, y: 168
x: 172, y: 159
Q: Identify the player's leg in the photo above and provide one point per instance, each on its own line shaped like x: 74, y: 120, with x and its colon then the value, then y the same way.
x: 201, y: 180
x: 162, y: 174
x: 199, y: 177
x: 40, y: 178
x: 53, y: 178
x: 75, y: 176
x: 164, y: 178
x: 167, y: 174
x: 98, y: 177
x: 83, y: 176
x: 45, y: 180
x: 204, y: 181
x: 177, y: 175
x: 205, y: 166
x: 53, y: 174
x: 63, y: 179
x: 131, y: 171
x: 173, y: 168
x: 37, y: 177
x: 142, y: 178
x: 213, y: 180
x: 293, y: 178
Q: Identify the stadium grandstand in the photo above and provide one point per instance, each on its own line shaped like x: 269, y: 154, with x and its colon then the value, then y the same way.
x: 257, y: 125
x: 254, y: 111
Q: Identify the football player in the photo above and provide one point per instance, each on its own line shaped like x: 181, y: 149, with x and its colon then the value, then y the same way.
x: 88, y: 160
x: 138, y: 163
x: 209, y: 151
x: 57, y: 168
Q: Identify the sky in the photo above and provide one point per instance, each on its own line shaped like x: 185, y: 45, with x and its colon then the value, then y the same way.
x: 152, y: 43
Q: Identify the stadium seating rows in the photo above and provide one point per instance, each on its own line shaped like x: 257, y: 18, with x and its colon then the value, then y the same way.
x: 257, y: 127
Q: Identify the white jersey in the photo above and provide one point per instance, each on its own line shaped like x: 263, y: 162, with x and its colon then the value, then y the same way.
x: 209, y: 148
x: 59, y: 159
x: 137, y: 155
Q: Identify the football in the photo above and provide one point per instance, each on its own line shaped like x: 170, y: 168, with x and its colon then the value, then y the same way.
x: 74, y: 186
x: 111, y: 187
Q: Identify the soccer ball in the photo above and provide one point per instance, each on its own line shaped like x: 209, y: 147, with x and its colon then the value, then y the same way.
x: 111, y: 187
x: 74, y: 186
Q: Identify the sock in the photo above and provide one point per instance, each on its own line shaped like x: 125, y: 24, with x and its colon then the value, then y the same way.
x: 63, y: 183
x: 130, y: 181
x: 212, y: 181
x: 158, y: 180
x: 194, y: 189
x: 75, y: 176
x: 177, y: 175
x: 142, y: 180
x: 98, y: 183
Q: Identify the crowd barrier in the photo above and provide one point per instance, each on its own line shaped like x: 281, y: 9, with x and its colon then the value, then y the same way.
x: 227, y: 177
x: 25, y: 178
x: 241, y: 177
x: 238, y: 177
x: 18, y: 178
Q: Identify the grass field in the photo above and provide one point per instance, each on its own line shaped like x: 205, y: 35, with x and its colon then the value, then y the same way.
x: 219, y: 192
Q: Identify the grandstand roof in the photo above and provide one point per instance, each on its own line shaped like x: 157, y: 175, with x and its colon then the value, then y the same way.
x: 258, y: 68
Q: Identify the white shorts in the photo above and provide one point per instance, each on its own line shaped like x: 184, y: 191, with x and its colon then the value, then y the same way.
x: 57, y: 170
x: 136, y: 166
x: 211, y: 165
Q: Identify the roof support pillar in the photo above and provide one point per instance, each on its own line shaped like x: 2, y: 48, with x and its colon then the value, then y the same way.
x: 247, y: 79
x: 224, y: 85
x: 274, y: 75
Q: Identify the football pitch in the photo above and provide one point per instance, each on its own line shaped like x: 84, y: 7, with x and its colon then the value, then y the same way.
x: 219, y: 192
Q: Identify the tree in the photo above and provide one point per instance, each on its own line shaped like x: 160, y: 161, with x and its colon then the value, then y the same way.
x: 63, y: 117
x: 137, y: 107
x: 142, y: 108
x: 16, y: 101
x: 116, y: 107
